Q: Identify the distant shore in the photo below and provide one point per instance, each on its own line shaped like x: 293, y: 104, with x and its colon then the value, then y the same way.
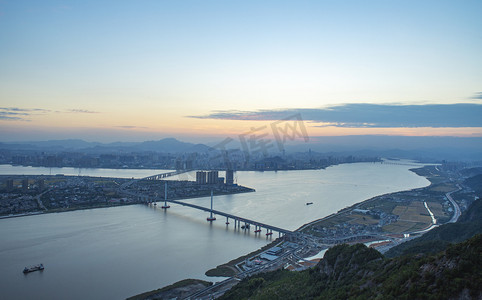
x: 91, y: 192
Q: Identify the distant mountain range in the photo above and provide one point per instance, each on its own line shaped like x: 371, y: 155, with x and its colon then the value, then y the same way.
x: 422, y: 148
x: 168, y: 145
x: 410, y: 147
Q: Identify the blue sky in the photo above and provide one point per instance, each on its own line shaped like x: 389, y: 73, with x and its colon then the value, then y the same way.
x: 137, y: 69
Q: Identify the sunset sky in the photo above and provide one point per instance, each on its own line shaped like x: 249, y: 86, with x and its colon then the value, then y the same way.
x: 144, y: 70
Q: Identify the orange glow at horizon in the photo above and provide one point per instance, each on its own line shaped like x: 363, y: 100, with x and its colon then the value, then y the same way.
x: 155, y: 123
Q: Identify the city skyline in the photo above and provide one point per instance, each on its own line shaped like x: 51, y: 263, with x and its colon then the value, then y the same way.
x: 148, y: 70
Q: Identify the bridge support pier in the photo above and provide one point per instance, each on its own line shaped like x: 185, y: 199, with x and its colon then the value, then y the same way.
x: 211, y: 217
x: 165, y: 206
x: 227, y: 221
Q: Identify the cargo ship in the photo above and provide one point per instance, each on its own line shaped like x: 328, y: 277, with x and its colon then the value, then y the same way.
x: 39, y: 267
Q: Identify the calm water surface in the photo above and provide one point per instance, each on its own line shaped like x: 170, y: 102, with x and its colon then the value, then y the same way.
x: 113, y: 253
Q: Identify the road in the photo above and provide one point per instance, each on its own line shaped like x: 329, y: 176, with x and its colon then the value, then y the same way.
x: 457, y: 212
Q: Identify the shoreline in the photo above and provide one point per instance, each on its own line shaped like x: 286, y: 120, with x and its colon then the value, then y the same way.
x: 358, y: 204
x: 353, y: 206
x: 342, y: 211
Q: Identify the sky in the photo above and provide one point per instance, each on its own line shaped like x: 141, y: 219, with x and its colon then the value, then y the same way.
x: 145, y: 70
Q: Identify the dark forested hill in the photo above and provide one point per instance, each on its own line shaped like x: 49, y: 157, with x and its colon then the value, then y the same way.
x: 358, y: 272
x: 475, y: 183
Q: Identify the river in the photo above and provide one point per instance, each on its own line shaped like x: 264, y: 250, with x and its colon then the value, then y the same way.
x: 114, y: 253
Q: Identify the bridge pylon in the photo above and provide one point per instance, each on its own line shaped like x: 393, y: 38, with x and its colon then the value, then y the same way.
x: 165, y: 206
x: 211, y: 217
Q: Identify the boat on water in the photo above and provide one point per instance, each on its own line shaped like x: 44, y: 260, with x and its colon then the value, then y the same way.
x: 39, y: 267
x: 309, y: 203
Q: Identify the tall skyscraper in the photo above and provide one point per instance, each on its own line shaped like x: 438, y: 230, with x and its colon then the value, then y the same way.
x: 40, y: 184
x: 9, y: 185
x: 25, y: 185
x: 200, y: 177
x: 229, y: 177
x: 213, y: 177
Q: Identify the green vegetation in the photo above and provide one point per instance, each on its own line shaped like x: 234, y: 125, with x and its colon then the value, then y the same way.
x: 475, y: 183
x: 221, y: 271
x: 358, y: 272
x: 442, y: 187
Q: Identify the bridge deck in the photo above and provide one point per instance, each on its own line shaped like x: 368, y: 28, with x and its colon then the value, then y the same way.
x: 217, y: 212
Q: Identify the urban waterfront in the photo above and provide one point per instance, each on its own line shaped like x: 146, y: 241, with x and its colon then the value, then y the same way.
x: 113, y: 253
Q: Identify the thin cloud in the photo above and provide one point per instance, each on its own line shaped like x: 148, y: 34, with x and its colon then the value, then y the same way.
x: 25, y: 110
x: 24, y: 114
x: 131, y: 127
x: 20, y: 114
x: 477, y: 96
x: 370, y: 115
x: 11, y: 118
x: 82, y: 111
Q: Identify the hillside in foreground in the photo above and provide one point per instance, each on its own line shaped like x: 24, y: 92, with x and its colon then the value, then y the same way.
x: 358, y: 272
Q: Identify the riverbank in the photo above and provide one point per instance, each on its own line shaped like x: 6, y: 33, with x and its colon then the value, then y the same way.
x: 231, y: 268
x: 432, y: 194
x: 396, y: 213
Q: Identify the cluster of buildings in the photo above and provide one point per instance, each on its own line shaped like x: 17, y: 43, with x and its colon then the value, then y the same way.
x: 212, y: 177
x: 202, y: 160
x: 24, y: 185
x: 15, y: 203
x: 155, y: 190
x: 344, y: 230
x: 68, y: 197
x: 354, y: 228
x: 21, y: 194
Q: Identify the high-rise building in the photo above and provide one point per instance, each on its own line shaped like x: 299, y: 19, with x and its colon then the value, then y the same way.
x: 213, y: 177
x: 25, y: 185
x: 179, y: 165
x: 200, y: 177
x: 229, y: 177
x: 9, y: 185
x: 40, y: 184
